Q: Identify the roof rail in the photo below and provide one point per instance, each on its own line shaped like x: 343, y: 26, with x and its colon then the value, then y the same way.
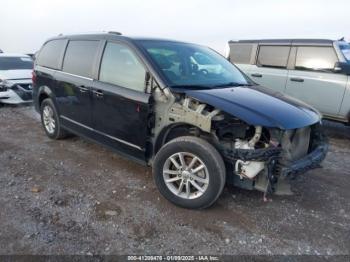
x: 114, y: 32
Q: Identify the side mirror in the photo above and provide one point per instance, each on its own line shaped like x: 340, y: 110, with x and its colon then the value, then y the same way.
x: 341, y: 67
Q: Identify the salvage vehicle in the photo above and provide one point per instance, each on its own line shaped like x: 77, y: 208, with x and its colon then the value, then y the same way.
x: 315, y: 71
x: 199, y: 122
x: 15, y: 78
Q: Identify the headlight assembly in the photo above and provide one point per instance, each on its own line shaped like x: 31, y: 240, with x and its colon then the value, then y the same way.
x: 3, y: 85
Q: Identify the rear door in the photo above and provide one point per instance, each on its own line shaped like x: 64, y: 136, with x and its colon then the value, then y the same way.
x: 120, y: 103
x: 271, y: 67
x: 74, y: 82
x: 314, y: 81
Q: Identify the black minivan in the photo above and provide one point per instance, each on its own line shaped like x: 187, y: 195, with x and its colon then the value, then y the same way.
x: 180, y: 107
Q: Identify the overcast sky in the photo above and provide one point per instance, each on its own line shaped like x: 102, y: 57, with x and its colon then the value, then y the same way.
x: 24, y: 25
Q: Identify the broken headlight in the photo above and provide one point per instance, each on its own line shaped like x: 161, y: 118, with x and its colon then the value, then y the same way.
x: 3, y: 85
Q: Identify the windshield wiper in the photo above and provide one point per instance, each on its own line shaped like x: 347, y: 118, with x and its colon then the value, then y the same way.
x: 233, y: 84
x: 192, y: 86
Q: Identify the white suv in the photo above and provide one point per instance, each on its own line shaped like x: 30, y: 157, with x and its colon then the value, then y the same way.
x: 313, y: 70
x: 15, y: 78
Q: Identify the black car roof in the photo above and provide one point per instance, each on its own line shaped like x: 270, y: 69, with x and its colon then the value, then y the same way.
x: 288, y: 41
x: 109, y: 36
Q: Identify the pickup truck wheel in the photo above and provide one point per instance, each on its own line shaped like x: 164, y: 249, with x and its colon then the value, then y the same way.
x: 50, y: 120
x: 189, y: 172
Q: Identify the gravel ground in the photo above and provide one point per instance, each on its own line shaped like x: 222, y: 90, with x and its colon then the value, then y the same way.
x: 75, y: 197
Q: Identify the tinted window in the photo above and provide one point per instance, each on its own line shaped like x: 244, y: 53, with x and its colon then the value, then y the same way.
x: 79, y: 58
x: 240, y: 53
x: 315, y: 58
x: 50, y: 54
x: 121, y: 67
x: 345, y: 49
x: 273, y: 56
x: 15, y: 63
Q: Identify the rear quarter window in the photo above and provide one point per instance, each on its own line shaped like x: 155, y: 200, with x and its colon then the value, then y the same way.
x: 50, y: 54
x: 80, y: 57
x: 240, y: 53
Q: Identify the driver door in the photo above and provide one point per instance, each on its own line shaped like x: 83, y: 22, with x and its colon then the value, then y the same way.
x: 120, y: 103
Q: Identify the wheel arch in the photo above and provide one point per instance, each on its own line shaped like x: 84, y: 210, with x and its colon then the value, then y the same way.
x: 43, y: 93
x: 175, y: 130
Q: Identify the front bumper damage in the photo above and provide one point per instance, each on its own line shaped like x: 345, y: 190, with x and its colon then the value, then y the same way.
x: 317, y: 153
x: 16, y: 93
x: 274, y: 178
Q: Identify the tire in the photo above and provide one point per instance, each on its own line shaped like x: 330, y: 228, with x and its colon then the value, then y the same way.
x: 55, y: 131
x: 168, y: 177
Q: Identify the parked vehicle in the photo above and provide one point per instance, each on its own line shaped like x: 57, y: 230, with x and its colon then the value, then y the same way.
x: 15, y: 78
x: 182, y: 108
x: 31, y: 55
x: 314, y: 71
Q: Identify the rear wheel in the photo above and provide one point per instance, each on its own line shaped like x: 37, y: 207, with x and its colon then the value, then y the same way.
x: 189, y: 172
x: 50, y: 120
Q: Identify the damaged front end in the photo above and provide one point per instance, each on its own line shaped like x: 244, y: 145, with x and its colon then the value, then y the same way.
x: 16, y: 92
x: 265, y: 159
x: 265, y: 140
x: 265, y: 137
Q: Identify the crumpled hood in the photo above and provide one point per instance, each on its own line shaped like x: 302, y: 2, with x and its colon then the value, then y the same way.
x: 257, y: 105
x: 15, y: 74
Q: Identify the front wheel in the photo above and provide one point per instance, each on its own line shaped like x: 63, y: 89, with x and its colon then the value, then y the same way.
x: 189, y: 172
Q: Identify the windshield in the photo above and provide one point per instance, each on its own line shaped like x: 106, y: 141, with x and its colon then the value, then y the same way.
x: 345, y: 48
x: 15, y: 63
x: 188, y: 65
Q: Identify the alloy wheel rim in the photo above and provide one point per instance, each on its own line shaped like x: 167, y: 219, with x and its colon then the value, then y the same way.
x: 49, y: 120
x: 186, y: 175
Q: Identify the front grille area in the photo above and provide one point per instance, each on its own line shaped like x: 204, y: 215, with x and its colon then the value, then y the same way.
x: 295, y: 144
x: 24, y: 91
x: 27, y: 87
x: 317, y: 151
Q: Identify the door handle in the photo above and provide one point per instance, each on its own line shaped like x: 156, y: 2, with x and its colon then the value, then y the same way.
x: 256, y: 75
x: 98, y: 93
x: 297, y: 79
x: 83, y: 89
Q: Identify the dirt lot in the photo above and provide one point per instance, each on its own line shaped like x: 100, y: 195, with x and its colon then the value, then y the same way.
x: 75, y: 197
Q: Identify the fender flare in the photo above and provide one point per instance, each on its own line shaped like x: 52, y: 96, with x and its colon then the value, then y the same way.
x: 46, y: 92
